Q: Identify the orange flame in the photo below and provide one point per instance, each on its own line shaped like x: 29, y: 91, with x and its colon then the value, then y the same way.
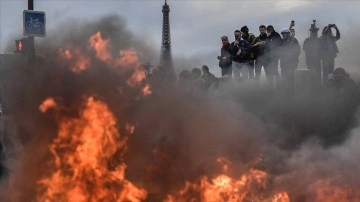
x: 281, y: 197
x: 83, y: 151
x: 79, y: 62
x: 101, y: 47
x: 327, y: 190
x: 146, y: 90
x: 48, y: 103
x: 128, y: 57
x: 137, y: 77
x: 224, y: 188
x: 250, y: 186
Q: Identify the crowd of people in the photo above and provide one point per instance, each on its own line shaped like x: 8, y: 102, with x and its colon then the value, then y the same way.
x: 244, y: 59
x: 248, y: 54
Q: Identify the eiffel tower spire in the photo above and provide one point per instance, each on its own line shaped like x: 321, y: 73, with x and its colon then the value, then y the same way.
x: 166, y: 57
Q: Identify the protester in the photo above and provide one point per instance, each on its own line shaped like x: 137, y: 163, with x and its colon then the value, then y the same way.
x: 249, y: 37
x: 184, y: 81
x: 258, y: 51
x: 329, y: 49
x: 196, y: 82
x: 240, y: 51
x: 289, y: 59
x: 311, y: 48
x: 272, y: 46
x: 207, y: 78
x: 225, y: 61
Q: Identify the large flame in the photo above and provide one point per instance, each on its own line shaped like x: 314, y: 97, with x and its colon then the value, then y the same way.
x: 101, y: 47
x: 128, y: 59
x: 83, y: 166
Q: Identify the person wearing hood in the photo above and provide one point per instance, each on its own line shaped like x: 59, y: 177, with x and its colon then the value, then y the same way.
x: 289, y: 59
x: 329, y: 50
x: 343, y: 86
x: 343, y: 104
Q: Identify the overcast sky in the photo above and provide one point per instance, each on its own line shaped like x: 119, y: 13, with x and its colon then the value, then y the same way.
x: 196, y: 25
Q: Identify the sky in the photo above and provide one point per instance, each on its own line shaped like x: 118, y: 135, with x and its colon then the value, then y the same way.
x: 196, y: 25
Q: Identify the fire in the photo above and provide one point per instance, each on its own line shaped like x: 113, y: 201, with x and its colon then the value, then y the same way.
x: 137, y: 77
x: 48, y: 103
x: 67, y: 54
x: 128, y: 57
x: 83, y: 153
x: 249, y: 186
x: 78, y: 61
x: 146, y: 90
x: 101, y: 47
x: 281, y: 197
x: 330, y: 191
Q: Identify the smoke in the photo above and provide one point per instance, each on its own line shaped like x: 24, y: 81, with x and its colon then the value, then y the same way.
x: 179, y: 136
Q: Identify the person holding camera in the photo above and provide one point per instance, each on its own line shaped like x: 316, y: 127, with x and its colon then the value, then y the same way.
x: 225, y: 57
x: 329, y: 50
x: 240, y: 51
x: 289, y: 59
x: 258, y: 50
x: 311, y: 48
x: 249, y: 37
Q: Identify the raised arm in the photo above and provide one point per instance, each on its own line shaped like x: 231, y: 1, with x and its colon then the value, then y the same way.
x: 337, y: 37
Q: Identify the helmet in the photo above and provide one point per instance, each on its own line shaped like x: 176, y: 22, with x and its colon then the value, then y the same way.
x: 285, y: 30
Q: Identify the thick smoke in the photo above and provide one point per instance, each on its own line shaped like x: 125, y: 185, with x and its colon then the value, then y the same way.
x: 180, y: 136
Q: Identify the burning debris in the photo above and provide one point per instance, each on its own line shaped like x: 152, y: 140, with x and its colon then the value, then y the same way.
x: 84, y: 168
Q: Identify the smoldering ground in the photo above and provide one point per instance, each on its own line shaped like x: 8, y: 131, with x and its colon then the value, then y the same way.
x: 179, y: 136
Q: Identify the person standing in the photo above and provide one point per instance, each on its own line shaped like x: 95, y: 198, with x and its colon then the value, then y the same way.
x: 328, y: 50
x: 289, y: 59
x: 249, y: 37
x: 225, y: 61
x: 272, y: 46
x: 311, y: 48
x: 240, y: 51
x: 258, y: 51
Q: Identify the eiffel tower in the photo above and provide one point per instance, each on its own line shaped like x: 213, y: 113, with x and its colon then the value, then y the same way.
x: 166, y: 57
